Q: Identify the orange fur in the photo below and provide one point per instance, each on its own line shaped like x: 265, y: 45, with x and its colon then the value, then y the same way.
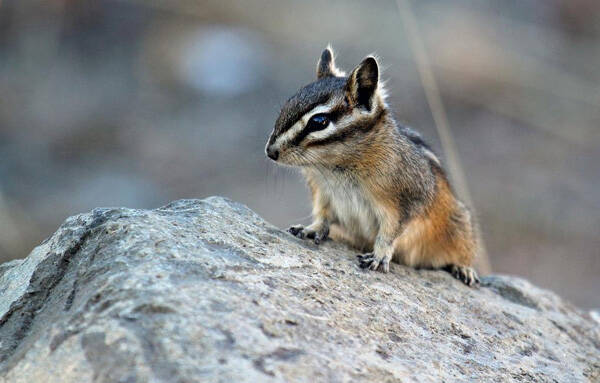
x: 433, y: 239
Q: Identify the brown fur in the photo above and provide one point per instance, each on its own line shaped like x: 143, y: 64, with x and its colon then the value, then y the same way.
x: 433, y: 239
x: 440, y: 235
x: 374, y: 186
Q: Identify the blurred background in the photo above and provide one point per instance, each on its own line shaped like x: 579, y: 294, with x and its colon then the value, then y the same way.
x: 135, y: 103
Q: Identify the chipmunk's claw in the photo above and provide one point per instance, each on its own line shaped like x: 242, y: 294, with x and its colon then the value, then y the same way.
x: 371, y: 262
x: 465, y: 274
x: 302, y: 232
x: 365, y: 260
x: 296, y: 231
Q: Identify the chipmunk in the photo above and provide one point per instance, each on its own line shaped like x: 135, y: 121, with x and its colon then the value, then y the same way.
x: 375, y: 185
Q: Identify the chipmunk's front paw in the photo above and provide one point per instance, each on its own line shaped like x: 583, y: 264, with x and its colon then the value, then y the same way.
x: 464, y: 274
x: 372, y: 262
x: 307, y: 232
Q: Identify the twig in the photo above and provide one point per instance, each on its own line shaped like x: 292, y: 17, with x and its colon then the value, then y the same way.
x: 434, y: 99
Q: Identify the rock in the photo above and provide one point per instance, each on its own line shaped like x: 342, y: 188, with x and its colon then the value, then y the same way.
x: 208, y: 291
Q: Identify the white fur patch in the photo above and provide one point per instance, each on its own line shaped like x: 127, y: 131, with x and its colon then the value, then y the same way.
x: 429, y: 154
x: 334, y: 69
x: 351, y: 206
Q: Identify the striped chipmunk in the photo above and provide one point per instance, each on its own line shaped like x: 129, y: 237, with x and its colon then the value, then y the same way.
x: 375, y: 185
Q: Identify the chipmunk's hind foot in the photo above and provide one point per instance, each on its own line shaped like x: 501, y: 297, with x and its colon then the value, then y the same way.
x: 371, y: 262
x: 465, y: 274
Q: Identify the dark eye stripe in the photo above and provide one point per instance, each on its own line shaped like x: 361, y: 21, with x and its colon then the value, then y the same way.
x: 356, y: 129
x: 333, y: 116
x: 317, y: 122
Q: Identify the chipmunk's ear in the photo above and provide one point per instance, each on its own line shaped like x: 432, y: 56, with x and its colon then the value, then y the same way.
x: 326, y: 66
x: 362, y: 84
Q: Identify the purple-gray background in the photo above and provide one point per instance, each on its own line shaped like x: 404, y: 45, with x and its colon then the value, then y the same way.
x: 136, y: 103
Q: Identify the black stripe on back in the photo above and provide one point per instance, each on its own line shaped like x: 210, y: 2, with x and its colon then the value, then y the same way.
x: 415, y: 138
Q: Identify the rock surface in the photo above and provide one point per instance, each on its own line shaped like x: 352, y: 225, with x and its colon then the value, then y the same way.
x: 208, y: 291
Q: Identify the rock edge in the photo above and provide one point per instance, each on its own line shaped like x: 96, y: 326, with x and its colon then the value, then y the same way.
x: 206, y: 290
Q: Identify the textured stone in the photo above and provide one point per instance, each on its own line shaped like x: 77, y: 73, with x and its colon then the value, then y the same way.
x: 208, y: 291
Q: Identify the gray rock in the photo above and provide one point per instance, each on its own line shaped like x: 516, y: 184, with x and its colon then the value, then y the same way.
x: 208, y: 291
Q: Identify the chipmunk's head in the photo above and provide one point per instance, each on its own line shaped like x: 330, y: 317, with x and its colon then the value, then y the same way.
x: 324, y: 122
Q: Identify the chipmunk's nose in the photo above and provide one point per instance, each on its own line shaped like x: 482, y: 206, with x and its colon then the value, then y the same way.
x: 272, y: 153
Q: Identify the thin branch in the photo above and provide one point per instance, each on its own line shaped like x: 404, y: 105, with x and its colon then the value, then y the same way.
x: 434, y: 99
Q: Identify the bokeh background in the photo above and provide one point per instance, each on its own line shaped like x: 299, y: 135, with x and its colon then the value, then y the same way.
x: 139, y: 102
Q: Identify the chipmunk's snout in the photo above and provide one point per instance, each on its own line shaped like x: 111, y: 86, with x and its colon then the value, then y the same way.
x: 272, y: 153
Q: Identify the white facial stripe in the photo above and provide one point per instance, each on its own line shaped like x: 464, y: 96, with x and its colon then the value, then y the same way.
x: 317, y: 110
x: 289, y: 135
x: 340, y: 124
x: 346, y: 120
x: 320, y: 134
x: 301, y: 123
x: 332, y: 128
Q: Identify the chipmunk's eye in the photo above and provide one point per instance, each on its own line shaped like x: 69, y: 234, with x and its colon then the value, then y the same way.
x: 317, y: 122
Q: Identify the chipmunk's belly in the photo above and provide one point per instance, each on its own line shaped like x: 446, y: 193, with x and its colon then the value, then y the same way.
x: 354, y: 213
